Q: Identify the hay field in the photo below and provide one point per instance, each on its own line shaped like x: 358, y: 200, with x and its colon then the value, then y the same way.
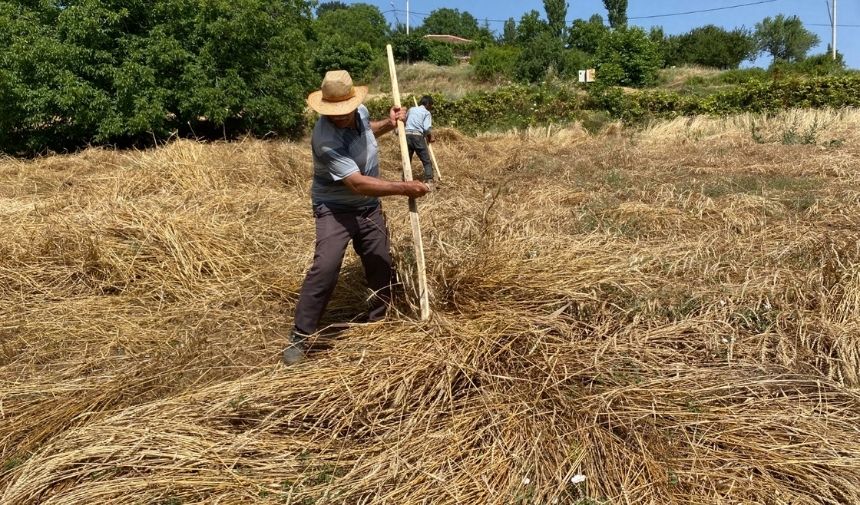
x: 672, y: 313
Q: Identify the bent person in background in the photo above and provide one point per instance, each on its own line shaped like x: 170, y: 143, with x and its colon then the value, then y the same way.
x: 345, y: 195
x: 419, y: 131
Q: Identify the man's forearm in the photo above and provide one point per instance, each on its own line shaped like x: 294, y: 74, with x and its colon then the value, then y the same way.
x: 371, y: 186
x: 381, y: 127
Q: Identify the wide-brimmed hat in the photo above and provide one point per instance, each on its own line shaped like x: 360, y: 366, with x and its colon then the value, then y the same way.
x: 337, y: 95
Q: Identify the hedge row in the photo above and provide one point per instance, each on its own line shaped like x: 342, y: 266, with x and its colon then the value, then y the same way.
x: 522, y: 105
x: 507, y: 107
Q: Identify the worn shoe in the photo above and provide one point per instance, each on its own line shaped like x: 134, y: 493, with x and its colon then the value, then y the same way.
x: 295, y: 352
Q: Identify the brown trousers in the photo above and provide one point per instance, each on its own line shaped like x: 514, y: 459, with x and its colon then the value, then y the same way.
x: 369, y: 234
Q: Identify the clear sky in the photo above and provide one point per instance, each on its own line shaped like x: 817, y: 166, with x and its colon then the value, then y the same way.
x: 812, y: 12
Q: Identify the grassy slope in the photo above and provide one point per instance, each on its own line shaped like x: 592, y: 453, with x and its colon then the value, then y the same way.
x: 673, y: 313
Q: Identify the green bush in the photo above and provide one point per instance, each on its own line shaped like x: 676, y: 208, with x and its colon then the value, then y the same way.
x: 538, y: 56
x: 127, y: 72
x: 711, y: 46
x: 514, y: 106
x: 518, y: 106
x: 627, y: 57
x: 441, y: 54
x: 496, y: 62
x: 818, y: 65
x: 337, y: 54
x: 410, y: 47
x: 572, y: 61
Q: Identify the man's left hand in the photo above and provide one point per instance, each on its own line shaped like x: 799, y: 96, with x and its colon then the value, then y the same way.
x: 396, y: 113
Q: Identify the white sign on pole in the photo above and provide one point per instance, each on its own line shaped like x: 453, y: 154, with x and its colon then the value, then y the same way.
x: 582, y: 76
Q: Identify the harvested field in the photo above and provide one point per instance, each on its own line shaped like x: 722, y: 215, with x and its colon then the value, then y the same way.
x: 672, y: 313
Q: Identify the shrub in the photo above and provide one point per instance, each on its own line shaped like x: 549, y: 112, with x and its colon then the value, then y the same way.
x: 538, y: 56
x: 441, y: 54
x: 341, y: 55
x: 818, y: 65
x: 410, y: 47
x: 711, y: 46
x: 627, y: 57
x: 87, y: 73
x: 495, y: 62
x: 572, y: 61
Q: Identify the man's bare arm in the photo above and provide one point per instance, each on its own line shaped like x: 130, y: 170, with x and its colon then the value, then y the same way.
x: 381, y: 127
x: 384, y: 126
x: 372, y: 186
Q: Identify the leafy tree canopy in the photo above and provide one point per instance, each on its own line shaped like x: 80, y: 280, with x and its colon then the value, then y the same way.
x: 784, y: 38
x: 586, y: 35
x: 627, y: 57
x: 556, y: 15
x: 447, y: 21
x: 617, y: 10
x: 122, y: 71
x: 330, y: 6
x: 530, y: 26
x: 357, y: 23
x: 711, y: 46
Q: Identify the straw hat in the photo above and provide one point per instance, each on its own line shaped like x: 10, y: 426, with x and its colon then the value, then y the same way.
x: 337, y: 95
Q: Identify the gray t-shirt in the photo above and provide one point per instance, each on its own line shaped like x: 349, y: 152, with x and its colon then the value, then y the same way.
x: 339, y: 153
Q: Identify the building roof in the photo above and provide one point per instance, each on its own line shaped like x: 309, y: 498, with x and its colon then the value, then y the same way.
x: 451, y: 39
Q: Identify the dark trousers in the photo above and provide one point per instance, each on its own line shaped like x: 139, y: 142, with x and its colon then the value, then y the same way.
x: 417, y: 144
x: 369, y: 236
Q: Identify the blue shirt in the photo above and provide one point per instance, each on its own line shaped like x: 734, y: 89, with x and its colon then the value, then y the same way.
x: 339, y: 153
x: 419, y: 120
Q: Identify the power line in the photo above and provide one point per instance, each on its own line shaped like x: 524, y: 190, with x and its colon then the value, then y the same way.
x: 828, y: 25
x: 704, y: 10
x: 736, y: 6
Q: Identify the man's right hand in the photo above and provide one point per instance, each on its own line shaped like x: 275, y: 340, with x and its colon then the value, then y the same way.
x: 415, y: 189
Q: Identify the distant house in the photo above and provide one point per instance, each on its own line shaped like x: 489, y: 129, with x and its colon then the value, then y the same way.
x: 451, y: 39
x: 462, y: 55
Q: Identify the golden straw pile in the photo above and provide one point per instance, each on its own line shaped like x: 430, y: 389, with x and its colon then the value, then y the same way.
x: 662, y: 316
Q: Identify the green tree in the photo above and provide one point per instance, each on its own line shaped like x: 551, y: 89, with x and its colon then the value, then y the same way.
x: 586, y: 35
x: 530, y: 26
x: 496, y: 63
x: 617, y: 10
x: 441, y: 54
x: 330, y: 6
x: 338, y: 54
x: 627, y: 57
x: 412, y: 47
x: 447, y: 21
x: 122, y: 71
x: 556, y: 15
x: 509, y: 34
x: 711, y: 46
x: 357, y: 23
x: 538, y: 56
x: 784, y: 38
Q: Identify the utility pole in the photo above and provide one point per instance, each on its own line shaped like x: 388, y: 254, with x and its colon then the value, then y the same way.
x: 407, y: 16
x: 833, y: 41
x: 832, y: 13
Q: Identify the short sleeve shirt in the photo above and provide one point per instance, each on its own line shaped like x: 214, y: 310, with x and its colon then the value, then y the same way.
x: 339, y: 153
x: 419, y: 120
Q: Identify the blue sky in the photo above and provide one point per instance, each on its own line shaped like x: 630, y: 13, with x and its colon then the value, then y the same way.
x: 811, y: 12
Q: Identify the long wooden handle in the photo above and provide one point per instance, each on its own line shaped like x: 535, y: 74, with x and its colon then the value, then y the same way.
x: 413, y: 205
x: 430, y: 150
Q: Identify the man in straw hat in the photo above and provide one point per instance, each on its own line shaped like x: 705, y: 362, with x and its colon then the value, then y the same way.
x: 345, y: 193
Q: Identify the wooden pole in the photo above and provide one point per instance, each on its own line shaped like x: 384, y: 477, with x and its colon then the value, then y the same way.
x: 413, y: 205
x: 430, y: 150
